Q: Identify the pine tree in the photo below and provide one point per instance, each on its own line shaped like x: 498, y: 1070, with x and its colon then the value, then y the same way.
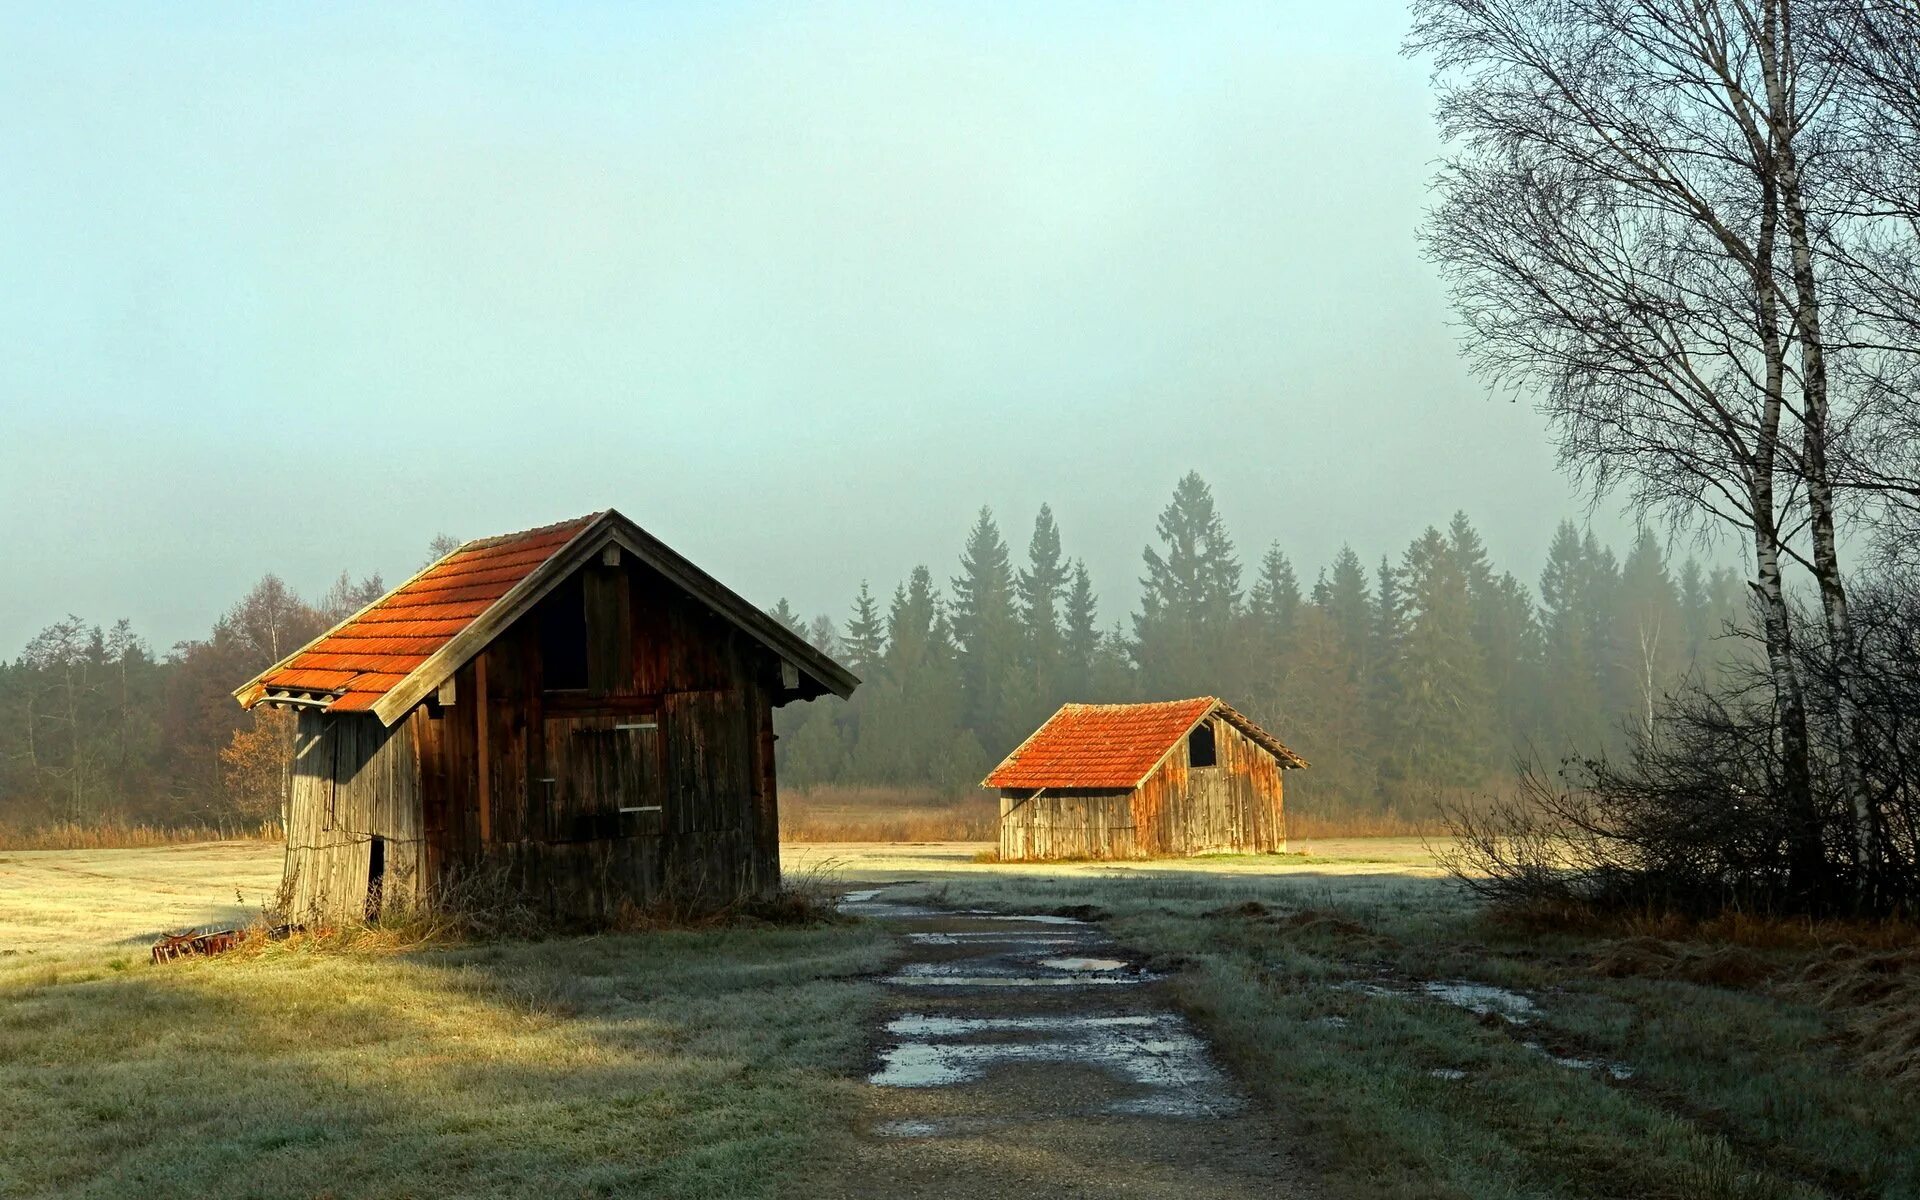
x: 1323, y: 715
x: 1442, y: 716
x: 866, y: 636
x: 783, y: 613
x: 1275, y: 601
x: 1082, y: 642
x: 1571, y: 698
x: 1503, y: 627
x: 824, y: 638
x: 987, y: 629
x: 1602, y: 608
x: 1040, y: 590
x: 1380, y: 658
x: 1343, y: 595
x: 1183, y: 635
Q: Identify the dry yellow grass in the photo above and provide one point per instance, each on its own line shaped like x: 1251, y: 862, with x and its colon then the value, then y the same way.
x: 88, y: 901
x: 69, y: 836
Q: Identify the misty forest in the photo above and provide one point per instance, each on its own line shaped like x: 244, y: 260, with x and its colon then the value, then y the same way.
x: 1422, y: 675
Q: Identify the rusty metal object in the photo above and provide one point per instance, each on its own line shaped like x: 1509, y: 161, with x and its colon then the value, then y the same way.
x: 210, y: 941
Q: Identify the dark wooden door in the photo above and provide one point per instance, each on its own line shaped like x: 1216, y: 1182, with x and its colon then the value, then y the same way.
x: 604, y: 778
x: 709, y: 761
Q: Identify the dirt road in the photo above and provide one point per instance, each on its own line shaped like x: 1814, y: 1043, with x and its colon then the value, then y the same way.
x: 1029, y: 1055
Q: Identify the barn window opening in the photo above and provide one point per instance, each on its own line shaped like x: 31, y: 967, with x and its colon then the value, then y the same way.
x: 376, y: 876
x: 563, y: 637
x: 1200, y: 752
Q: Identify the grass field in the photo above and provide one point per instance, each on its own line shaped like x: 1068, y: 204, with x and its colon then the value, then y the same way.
x: 725, y: 1062
x: 1686, y: 1066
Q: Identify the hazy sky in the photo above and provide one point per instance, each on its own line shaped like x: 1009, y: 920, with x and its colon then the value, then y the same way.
x: 798, y: 288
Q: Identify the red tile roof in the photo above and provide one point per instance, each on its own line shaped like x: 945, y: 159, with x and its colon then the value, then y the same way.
x: 362, y: 658
x: 1114, y: 745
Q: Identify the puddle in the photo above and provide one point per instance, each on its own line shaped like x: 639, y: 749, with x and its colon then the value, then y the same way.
x: 994, y: 938
x: 885, y: 910
x: 911, y: 978
x: 1332, y: 1022
x: 917, y: 1025
x: 1447, y: 1073
x: 1157, y: 1052
x: 1162, y: 1064
x: 1484, y: 1000
x: 974, y: 973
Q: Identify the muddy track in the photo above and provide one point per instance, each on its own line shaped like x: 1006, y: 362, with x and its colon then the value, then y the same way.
x: 1030, y: 1055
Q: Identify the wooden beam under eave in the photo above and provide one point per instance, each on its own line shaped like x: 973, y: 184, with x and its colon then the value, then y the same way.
x: 480, y: 746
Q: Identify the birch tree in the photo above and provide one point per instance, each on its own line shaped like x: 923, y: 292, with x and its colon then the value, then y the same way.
x: 1627, y: 222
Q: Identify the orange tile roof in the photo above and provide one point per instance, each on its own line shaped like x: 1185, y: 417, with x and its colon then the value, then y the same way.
x: 1098, y: 745
x: 364, y: 657
x: 1114, y: 745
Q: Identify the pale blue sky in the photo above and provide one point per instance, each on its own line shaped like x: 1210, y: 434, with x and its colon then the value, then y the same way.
x: 796, y: 287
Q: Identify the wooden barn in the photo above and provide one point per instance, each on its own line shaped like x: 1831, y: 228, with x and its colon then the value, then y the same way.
x: 1143, y: 780
x: 577, y: 706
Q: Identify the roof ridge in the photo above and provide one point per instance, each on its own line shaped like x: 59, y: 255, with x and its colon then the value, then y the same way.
x: 1138, y: 703
x: 482, y: 543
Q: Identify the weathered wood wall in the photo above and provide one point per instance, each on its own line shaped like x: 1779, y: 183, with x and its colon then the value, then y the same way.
x: 353, y: 781
x: 1068, y: 824
x: 655, y: 780
x: 1237, y: 805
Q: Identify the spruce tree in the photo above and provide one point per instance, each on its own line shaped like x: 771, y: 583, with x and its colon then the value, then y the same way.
x: 1343, y: 595
x: 1189, y: 596
x: 987, y: 629
x: 1380, y: 657
x: 1275, y: 601
x: 783, y: 613
x: 866, y: 634
x: 824, y: 638
x: 1040, y: 590
x: 1442, y: 715
x: 1503, y: 627
x: 1572, y: 697
x: 1082, y: 642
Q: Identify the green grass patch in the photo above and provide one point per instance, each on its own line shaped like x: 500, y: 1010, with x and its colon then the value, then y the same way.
x: 692, y: 1064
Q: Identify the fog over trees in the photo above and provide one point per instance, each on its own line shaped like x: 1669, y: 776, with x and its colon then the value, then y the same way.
x: 1424, y: 677
x: 1420, y: 677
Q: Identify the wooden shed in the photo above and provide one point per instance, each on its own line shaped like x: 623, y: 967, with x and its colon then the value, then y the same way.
x: 1143, y: 780
x: 576, y: 708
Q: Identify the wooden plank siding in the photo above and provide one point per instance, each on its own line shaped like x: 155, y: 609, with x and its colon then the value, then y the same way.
x: 353, y: 781
x: 1069, y: 824
x: 675, y: 722
x: 1234, y: 806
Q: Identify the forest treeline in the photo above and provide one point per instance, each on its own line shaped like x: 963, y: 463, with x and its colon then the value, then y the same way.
x: 97, y: 728
x: 1425, y: 671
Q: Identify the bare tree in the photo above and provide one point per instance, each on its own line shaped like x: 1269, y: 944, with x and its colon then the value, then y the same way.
x: 442, y: 545
x: 1627, y: 224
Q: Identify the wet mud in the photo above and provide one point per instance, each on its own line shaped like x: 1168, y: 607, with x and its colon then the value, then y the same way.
x: 1030, y: 1055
